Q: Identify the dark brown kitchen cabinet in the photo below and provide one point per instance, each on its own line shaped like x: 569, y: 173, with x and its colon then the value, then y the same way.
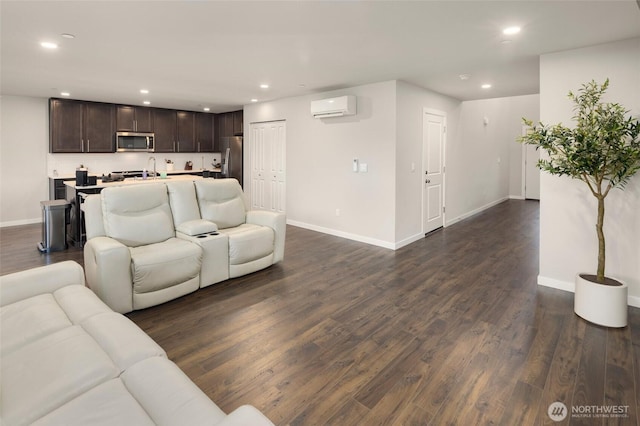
x: 133, y: 119
x: 204, y: 132
x: 77, y: 126
x: 65, y: 126
x: 164, y: 127
x: 238, y: 124
x: 186, y: 131
x: 227, y: 125
x: 99, y: 125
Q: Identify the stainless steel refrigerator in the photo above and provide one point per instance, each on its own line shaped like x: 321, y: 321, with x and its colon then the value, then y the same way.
x: 231, y: 149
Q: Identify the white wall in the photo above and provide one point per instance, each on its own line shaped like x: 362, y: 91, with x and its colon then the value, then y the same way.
x: 411, y: 103
x: 568, y: 243
x: 485, y: 166
x: 319, y: 163
x: 24, y: 143
x: 384, y: 206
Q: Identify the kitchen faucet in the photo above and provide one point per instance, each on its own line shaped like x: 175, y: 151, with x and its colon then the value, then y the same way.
x: 154, y: 165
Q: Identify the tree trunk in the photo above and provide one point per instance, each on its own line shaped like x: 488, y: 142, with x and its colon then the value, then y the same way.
x: 601, y: 246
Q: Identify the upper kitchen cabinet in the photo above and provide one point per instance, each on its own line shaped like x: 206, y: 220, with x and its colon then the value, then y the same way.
x: 99, y: 125
x: 238, y: 124
x: 77, y: 126
x: 186, y: 131
x: 65, y: 126
x: 230, y: 124
x: 164, y: 126
x: 133, y: 119
x: 205, y: 132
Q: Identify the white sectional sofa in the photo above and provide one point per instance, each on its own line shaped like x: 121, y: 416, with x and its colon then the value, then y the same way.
x: 148, y: 244
x: 67, y: 359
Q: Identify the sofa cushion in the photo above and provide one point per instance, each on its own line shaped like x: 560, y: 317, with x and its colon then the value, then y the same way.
x: 107, y: 404
x: 158, y: 266
x: 184, y: 204
x: 221, y: 201
x: 46, y: 373
x: 137, y: 215
x: 168, y: 395
x: 123, y: 341
x: 249, y: 242
x: 79, y: 303
x: 30, y: 319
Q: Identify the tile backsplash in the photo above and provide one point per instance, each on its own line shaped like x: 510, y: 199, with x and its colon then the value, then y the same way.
x: 61, y: 165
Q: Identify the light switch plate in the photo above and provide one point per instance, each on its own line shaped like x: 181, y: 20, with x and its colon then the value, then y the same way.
x: 363, y: 167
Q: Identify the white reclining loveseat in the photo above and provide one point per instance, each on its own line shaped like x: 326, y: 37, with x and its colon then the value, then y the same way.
x: 151, y: 243
x: 67, y: 359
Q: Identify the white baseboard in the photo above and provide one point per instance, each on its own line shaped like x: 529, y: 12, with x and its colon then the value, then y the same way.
x: 516, y: 197
x: 342, y: 234
x: 20, y: 222
x: 571, y: 287
x: 408, y: 241
x: 475, y: 211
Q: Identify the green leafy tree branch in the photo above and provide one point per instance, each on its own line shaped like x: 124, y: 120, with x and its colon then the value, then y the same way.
x: 602, y: 150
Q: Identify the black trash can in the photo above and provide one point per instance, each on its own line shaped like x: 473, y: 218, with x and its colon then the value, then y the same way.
x: 55, y: 216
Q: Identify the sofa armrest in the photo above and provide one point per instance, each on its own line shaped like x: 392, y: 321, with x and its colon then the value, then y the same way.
x: 107, y: 264
x: 276, y: 221
x: 245, y: 415
x: 197, y: 227
x: 45, y: 279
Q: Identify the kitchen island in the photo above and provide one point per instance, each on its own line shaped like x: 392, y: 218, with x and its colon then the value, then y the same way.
x: 75, y: 196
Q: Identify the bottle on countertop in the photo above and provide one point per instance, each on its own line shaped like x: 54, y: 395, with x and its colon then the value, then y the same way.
x: 144, y: 174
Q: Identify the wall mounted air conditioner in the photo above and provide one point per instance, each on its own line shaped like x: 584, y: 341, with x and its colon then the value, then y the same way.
x: 334, y: 107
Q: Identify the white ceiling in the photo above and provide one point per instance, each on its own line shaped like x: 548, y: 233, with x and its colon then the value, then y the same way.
x: 191, y: 54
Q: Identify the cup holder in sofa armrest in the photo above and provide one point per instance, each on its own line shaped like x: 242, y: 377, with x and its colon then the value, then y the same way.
x: 197, y: 227
x: 207, y: 234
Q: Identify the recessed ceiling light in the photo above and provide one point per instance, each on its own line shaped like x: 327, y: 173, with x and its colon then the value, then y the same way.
x: 146, y: 102
x: 206, y: 109
x: 464, y: 76
x: 486, y: 86
x: 48, y: 45
x: 254, y: 100
x: 144, y: 91
x: 67, y: 35
x: 302, y: 85
x: 65, y: 94
x: 264, y: 86
x: 511, y: 30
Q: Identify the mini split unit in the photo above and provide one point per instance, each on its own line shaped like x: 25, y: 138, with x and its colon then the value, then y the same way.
x: 334, y: 107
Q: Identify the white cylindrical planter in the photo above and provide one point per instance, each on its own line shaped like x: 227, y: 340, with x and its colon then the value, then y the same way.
x: 601, y: 304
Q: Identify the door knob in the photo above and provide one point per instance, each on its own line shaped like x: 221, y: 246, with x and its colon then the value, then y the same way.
x: 427, y: 181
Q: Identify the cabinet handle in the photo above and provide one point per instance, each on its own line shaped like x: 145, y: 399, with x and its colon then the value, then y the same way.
x: 82, y: 144
x: 199, y: 147
x: 178, y: 147
x: 88, y: 145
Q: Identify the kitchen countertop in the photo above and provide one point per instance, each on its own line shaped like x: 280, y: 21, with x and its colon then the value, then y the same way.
x: 132, y: 181
x: 172, y: 172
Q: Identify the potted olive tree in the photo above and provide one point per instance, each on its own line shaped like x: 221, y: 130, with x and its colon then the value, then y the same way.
x: 603, y: 151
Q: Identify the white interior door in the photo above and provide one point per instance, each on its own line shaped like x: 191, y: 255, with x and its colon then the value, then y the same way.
x: 531, y: 171
x: 434, y: 128
x: 268, y: 166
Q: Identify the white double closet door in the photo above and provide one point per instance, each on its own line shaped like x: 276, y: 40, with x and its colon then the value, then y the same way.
x: 268, y: 165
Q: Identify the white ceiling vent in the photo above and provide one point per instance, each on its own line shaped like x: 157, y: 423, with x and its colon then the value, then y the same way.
x: 334, y: 107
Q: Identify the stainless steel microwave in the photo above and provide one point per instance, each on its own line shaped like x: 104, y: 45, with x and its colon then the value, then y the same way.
x: 134, y: 141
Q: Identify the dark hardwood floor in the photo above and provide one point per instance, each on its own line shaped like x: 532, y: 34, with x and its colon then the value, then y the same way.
x: 452, y: 329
